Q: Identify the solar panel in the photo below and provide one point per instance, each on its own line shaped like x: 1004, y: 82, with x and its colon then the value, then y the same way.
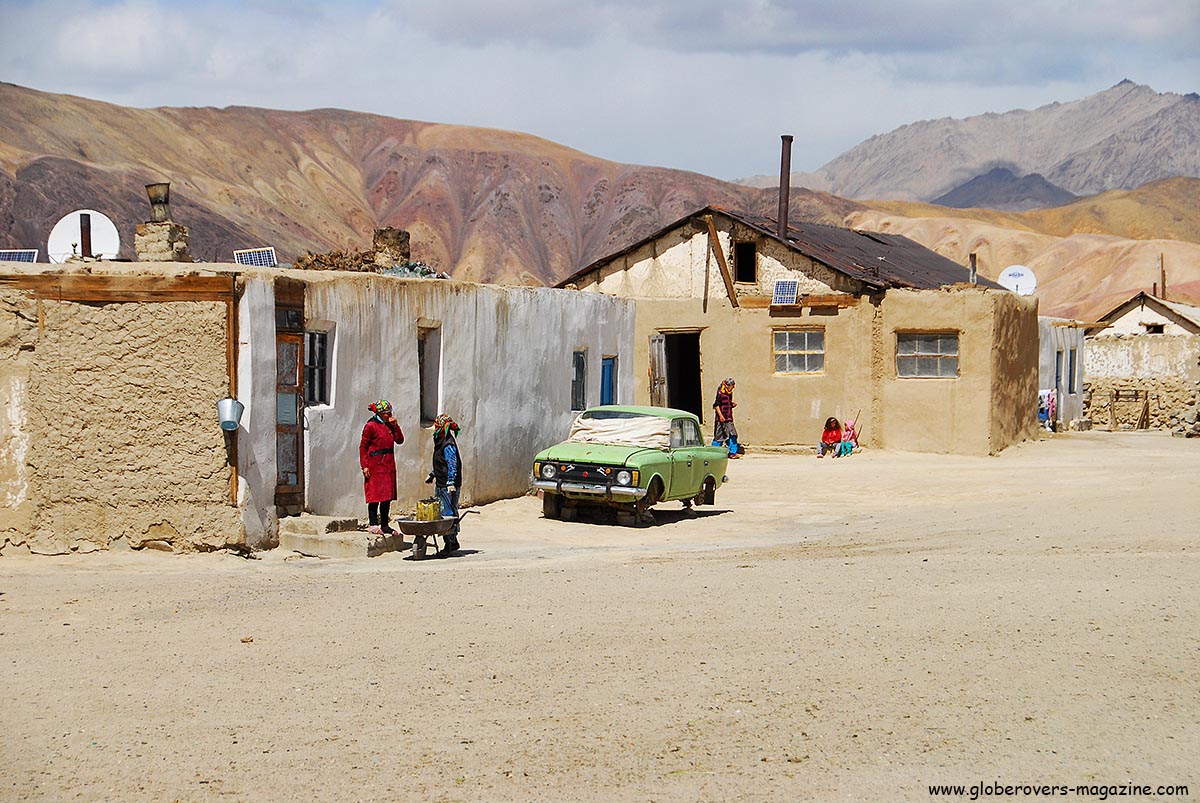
x: 786, y: 291
x: 18, y: 255
x: 257, y: 257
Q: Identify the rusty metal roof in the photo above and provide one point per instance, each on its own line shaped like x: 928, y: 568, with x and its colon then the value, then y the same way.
x: 880, y: 261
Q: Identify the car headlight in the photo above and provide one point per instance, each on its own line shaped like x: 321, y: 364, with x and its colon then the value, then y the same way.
x: 624, y: 478
x: 548, y: 471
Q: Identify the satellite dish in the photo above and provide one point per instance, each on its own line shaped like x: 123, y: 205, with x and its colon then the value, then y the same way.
x: 69, y: 236
x: 1019, y: 279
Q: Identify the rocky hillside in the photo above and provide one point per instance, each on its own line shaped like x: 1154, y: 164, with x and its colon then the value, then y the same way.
x: 1121, y: 138
x: 1089, y: 255
x: 485, y: 205
x: 999, y: 188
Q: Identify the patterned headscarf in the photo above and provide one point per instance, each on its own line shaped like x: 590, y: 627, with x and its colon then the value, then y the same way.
x: 727, y: 385
x: 381, y: 407
x: 443, y: 424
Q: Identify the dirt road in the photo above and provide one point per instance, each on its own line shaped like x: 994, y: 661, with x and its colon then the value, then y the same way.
x: 853, y: 629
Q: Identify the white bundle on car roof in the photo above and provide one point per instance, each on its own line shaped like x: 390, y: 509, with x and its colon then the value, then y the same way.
x: 631, y: 429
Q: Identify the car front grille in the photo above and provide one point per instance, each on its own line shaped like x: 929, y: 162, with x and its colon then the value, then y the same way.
x: 577, y: 472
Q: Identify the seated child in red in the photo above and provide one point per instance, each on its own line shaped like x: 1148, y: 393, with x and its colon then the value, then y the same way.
x: 831, y: 438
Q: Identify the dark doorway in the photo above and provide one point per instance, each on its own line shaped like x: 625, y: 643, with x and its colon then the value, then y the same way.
x: 683, y: 373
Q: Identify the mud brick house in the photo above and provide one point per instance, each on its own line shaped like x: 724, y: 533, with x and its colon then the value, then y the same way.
x: 110, y: 377
x: 816, y: 321
x: 1143, y: 363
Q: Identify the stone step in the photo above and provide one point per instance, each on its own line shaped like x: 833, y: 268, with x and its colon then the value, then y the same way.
x: 343, y: 544
x: 308, y: 524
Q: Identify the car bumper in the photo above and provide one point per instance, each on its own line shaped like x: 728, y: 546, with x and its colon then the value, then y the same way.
x: 618, y: 492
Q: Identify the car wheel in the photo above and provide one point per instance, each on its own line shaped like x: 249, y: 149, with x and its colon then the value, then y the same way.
x: 707, y: 494
x: 642, y: 513
x: 551, y: 505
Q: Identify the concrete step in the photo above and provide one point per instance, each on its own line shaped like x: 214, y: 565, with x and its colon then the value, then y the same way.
x: 308, y: 524
x: 343, y: 544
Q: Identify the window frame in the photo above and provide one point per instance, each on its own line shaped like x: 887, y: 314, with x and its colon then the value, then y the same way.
x: 915, y: 336
x: 429, y: 376
x: 806, y: 351
x: 579, y: 380
x: 318, y: 363
x: 740, y: 247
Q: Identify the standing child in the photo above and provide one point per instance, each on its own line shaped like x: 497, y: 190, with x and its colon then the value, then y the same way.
x: 724, y: 431
x: 831, y: 438
x: 447, y: 473
x: 377, y: 460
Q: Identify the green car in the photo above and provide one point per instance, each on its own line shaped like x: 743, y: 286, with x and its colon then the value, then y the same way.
x: 629, y: 459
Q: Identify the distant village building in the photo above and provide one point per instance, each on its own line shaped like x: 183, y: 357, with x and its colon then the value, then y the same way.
x: 110, y: 381
x: 1062, y: 345
x: 823, y: 321
x: 1143, y: 364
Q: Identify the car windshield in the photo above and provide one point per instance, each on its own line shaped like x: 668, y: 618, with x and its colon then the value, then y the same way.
x: 631, y: 429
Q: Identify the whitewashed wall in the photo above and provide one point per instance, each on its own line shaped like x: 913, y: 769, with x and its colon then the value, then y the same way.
x: 256, y: 390
x: 506, y: 377
x: 1052, y: 339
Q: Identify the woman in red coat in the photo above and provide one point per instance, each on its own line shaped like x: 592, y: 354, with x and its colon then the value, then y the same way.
x: 377, y: 456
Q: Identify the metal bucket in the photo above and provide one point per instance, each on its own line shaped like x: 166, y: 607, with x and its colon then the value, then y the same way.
x: 229, y: 412
x: 429, y: 509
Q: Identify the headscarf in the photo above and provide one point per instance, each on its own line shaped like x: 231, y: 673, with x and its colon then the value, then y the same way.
x: 727, y: 385
x: 444, y: 424
x: 381, y: 407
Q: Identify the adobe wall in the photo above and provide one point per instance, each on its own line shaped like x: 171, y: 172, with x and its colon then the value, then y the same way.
x: 773, y: 410
x: 988, y: 406
x: 111, y: 411
x: 506, y: 377
x: 1165, y: 366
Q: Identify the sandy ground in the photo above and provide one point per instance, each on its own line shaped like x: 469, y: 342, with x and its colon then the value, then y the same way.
x: 832, y: 630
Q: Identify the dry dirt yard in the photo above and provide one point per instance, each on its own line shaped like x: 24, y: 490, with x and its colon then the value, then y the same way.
x: 851, y: 630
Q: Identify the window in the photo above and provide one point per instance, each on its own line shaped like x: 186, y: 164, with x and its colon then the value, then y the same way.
x: 316, y: 368
x: 927, y: 354
x: 429, y: 372
x: 799, y: 351
x: 1071, y: 366
x: 745, y: 263
x: 579, y: 381
x: 608, y: 380
x: 685, y: 433
x: 1154, y: 328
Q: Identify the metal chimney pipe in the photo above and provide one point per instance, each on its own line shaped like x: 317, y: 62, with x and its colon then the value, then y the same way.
x: 85, y: 235
x: 1162, y: 269
x: 785, y: 184
x: 974, y: 271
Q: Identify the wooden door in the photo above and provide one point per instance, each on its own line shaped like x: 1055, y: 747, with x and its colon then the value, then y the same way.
x: 289, y: 429
x: 658, y: 370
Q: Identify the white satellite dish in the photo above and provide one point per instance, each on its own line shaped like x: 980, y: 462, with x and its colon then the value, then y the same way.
x: 66, y: 238
x: 1019, y: 279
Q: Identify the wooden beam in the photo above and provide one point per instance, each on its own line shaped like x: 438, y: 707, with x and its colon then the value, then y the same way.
x: 108, y: 289
x: 755, y: 302
x: 835, y: 300
x: 714, y: 242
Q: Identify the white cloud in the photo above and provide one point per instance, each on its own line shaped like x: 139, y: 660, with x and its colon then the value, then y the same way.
x: 705, y: 85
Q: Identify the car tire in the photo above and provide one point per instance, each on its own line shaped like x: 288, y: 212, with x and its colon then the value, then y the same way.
x: 551, y: 506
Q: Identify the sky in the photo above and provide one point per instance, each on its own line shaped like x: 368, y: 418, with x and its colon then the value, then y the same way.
x: 703, y: 85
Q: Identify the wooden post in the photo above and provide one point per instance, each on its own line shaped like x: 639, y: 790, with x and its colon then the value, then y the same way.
x: 715, y: 243
x: 1162, y: 270
x: 1112, y: 411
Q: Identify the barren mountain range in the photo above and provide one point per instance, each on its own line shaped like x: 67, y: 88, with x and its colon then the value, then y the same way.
x: 1121, y: 138
x: 499, y: 206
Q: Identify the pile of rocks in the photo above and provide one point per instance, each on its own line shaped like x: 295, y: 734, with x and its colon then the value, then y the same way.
x: 338, y: 260
x: 1186, y: 424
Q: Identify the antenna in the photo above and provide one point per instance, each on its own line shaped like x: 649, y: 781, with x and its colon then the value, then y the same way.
x: 83, y: 233
x: 1019, y: 279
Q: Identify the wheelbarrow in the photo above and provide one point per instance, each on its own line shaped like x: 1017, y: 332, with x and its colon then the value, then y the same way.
x: 423, y: 532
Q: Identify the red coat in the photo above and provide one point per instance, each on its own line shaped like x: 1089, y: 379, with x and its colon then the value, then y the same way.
x: 831, y: 436
x: 377, y: 453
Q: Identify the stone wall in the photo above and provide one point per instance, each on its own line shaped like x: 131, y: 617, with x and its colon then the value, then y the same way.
x: 109, y: 410
x: 1164, y: 368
